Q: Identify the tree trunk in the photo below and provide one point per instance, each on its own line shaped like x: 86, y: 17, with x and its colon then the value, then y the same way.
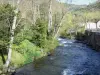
x: 12, y: 37
x: 34, y: 12
x: 55, y: 26
x: 62, y: 18
x: 2, y: 55
x: 38, y: 8
x: 59, y: 27
x: 50, y: 16
x: 96, y: 26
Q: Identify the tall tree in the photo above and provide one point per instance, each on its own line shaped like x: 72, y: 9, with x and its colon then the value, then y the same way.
x: 12, y: 36
x: 50, y: 16
x: 33, y: 12
x: 59, y: 26
x: 63, y: 15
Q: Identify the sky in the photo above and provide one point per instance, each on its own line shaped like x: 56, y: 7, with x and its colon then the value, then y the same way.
x: 80, y: 2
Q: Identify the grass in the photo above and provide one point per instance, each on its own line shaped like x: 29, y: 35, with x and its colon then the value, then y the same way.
x: 17, y: 59
x: 1, y: 63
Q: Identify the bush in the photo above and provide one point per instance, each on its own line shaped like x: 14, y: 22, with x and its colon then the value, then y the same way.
x: 28, y: 50
x: 17, y: 59
x: 40, y: 33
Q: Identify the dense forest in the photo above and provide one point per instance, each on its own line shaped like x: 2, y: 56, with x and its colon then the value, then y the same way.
x: 29, y: 28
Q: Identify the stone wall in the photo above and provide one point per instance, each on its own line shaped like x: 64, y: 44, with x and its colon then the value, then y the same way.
x: 92, y: 38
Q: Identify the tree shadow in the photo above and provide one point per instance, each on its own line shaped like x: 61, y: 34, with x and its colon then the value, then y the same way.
x: 3, y: 52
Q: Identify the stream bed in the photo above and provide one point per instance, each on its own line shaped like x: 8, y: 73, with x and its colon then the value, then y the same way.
x: 70, y: 58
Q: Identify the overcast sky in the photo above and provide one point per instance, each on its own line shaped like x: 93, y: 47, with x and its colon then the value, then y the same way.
x: 80, y: 2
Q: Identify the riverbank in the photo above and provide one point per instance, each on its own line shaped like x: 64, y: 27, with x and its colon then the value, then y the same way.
x: 91, y: 38
x: 17, y: 62
x: 71, y: 58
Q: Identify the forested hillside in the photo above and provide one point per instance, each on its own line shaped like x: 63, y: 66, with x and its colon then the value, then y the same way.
x: 78, y: 16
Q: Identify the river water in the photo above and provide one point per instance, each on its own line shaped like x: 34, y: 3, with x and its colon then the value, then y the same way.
x: 70, y: 58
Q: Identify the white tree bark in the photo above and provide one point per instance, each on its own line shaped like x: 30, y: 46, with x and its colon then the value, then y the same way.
x: 59, y: 26
x: 50, y: 16
x: 38, y: 8
x: 34, y: 11
x: 12, y: 37
x: 35, y: 14
x: 63, y: 17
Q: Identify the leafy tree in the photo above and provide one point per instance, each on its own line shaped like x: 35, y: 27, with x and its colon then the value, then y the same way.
x: 6, y: 19
x: 40, y: 33
x: 29, y: 50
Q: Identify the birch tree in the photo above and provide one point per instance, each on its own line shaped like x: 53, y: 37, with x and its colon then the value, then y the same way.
x: 50, y: 16
x: 63, y: 17
x: 59, y: 26
x: 33, y: 12
x: 12, y: 36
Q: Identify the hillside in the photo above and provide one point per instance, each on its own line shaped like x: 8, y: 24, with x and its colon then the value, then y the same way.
x: 73, y: 7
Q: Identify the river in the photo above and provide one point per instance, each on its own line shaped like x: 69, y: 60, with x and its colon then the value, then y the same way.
x: 70, y: 58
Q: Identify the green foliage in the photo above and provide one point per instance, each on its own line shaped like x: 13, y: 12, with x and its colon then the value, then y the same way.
x: 28, y: 50
x: 6, y: 18
x: 30, y: 41
x: 1, y: 63
x: 51, y: 44
x: 40, y: 33
x: 6, y: 12
x: 67, y: 24
x: 92, y: 16
x: 17, y: 59
x: 74, y: 19
x: 72, y: 24
x: 23, y: 34
x: 90, y: 13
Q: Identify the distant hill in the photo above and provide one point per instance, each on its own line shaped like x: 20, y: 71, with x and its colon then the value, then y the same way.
x: 91, y: 7
x: 73, y: 7
x: 95, y: 6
